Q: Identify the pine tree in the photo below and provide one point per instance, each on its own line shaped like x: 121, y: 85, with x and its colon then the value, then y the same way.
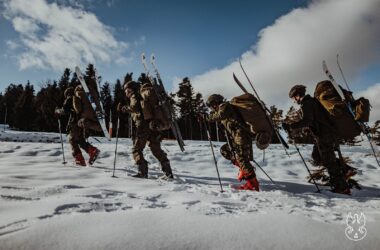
x: 11, y: 95
x: 64, y: 82
x: 24, y: 109
x: 46, y: 102
x: 106, y: 99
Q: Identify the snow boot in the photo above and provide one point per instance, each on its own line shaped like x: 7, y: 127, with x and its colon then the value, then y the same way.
x: 340, y: 186
x: 93, y: 153
x: 166, y: 168
x: 142, y: 171
x: 251, y: 183
x: 79, y: 160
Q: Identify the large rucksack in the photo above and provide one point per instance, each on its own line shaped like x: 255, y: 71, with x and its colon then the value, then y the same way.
x: 151, y: 109
x: 338, y: 112
x: 253, y: 114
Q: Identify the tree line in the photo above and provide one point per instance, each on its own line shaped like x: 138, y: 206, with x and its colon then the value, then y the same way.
x: 23, y: 108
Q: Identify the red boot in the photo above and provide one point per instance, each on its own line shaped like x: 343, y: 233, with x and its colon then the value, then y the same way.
x: 79, y: 160
x: 251, y: 184
x: 93, y: 153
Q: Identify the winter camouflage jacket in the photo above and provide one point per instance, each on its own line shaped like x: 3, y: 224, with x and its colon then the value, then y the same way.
x: 134, y: 107
x: 313, y: 116
x: 82, y: 105
x: 237, y: 130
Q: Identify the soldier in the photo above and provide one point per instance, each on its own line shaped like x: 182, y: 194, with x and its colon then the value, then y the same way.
x: 144, y: 134
x: 239, y: 150
x: 76, y: 134
x: 313, y: 117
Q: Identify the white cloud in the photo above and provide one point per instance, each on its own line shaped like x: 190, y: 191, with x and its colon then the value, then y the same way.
x: 55, y: 36
x: 373, y: 94
x: 291, y: 50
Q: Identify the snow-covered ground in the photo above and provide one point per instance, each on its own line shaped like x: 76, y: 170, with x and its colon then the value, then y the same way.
x: 46, y: 205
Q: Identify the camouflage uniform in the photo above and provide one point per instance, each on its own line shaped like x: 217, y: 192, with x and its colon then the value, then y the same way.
x: 239, y: 136
x: 77, y: 138
x: 145, y: 136
x: 314, y: 117
x: 86, y: 114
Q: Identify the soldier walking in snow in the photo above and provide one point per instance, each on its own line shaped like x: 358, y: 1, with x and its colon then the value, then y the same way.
x: 314, y: 117
x: 146, y: 130
x: 239, y: 149
x: 77, y: 137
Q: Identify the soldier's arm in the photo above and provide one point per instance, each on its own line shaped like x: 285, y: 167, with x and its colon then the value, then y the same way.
x: 77, y: 105
x: 219, y: 115
x: 134, y: 105
x: 307, y: 119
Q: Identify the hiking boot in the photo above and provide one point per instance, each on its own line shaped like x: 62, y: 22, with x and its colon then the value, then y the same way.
x: 167, y: 169
x: 165, y: 177
x: 79, y: 160
x: 142, y: 171
x: 93, y: 153
x: 251, y: 184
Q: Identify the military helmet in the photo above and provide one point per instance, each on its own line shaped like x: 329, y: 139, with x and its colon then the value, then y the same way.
x: 297, y: 90
x: 131, y: 85
x: 214, y: 99
x: 68, y: 92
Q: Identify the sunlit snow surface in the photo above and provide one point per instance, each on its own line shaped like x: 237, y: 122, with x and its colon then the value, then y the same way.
x: 46, y: 205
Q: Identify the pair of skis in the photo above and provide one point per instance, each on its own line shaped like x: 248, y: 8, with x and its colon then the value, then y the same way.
x: 364, y: 127
x: 98, y: 109
x: 163, y: 98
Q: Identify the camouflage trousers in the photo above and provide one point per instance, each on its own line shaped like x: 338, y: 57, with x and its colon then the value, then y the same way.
x: 77, y: 139
x: 153, y: 140
x: 86, y: 125
x: 242, y: 154
x: 324, y: 154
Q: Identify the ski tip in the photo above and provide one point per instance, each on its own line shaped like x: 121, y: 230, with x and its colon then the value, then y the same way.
x: 143, y: 56
x: 152, y: 57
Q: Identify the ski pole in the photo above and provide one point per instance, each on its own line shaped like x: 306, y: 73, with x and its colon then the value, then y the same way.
x: 308, y: 170
x: 265, y: 172
x: 117, y: 139
x: 234, y: 153
x: 213, y: 154
x: 60, y: 134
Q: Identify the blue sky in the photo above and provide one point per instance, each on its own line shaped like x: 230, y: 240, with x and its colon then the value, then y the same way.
x: 281, y: 43
x: 188, y: 37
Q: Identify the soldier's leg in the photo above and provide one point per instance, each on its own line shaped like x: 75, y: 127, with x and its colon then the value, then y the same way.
x: 243, y: 157
x: 154, y: 144
x: 247, y: 172
x: 328, y: 158
x: 315, y: 155
x: 74, y: 137
x: 137, y: 152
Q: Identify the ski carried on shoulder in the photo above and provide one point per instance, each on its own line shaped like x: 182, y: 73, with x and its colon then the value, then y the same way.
x: 163, y: 98
x: 266, y: 111
x: 363, y: 127
x: 97, y: 109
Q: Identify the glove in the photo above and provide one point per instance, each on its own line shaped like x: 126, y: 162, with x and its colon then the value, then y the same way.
x: 121, y: 108
x: 286, y: 126
x: 58, y: 112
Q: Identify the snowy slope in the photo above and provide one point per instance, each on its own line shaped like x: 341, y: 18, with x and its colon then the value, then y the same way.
x: 45, y: 205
